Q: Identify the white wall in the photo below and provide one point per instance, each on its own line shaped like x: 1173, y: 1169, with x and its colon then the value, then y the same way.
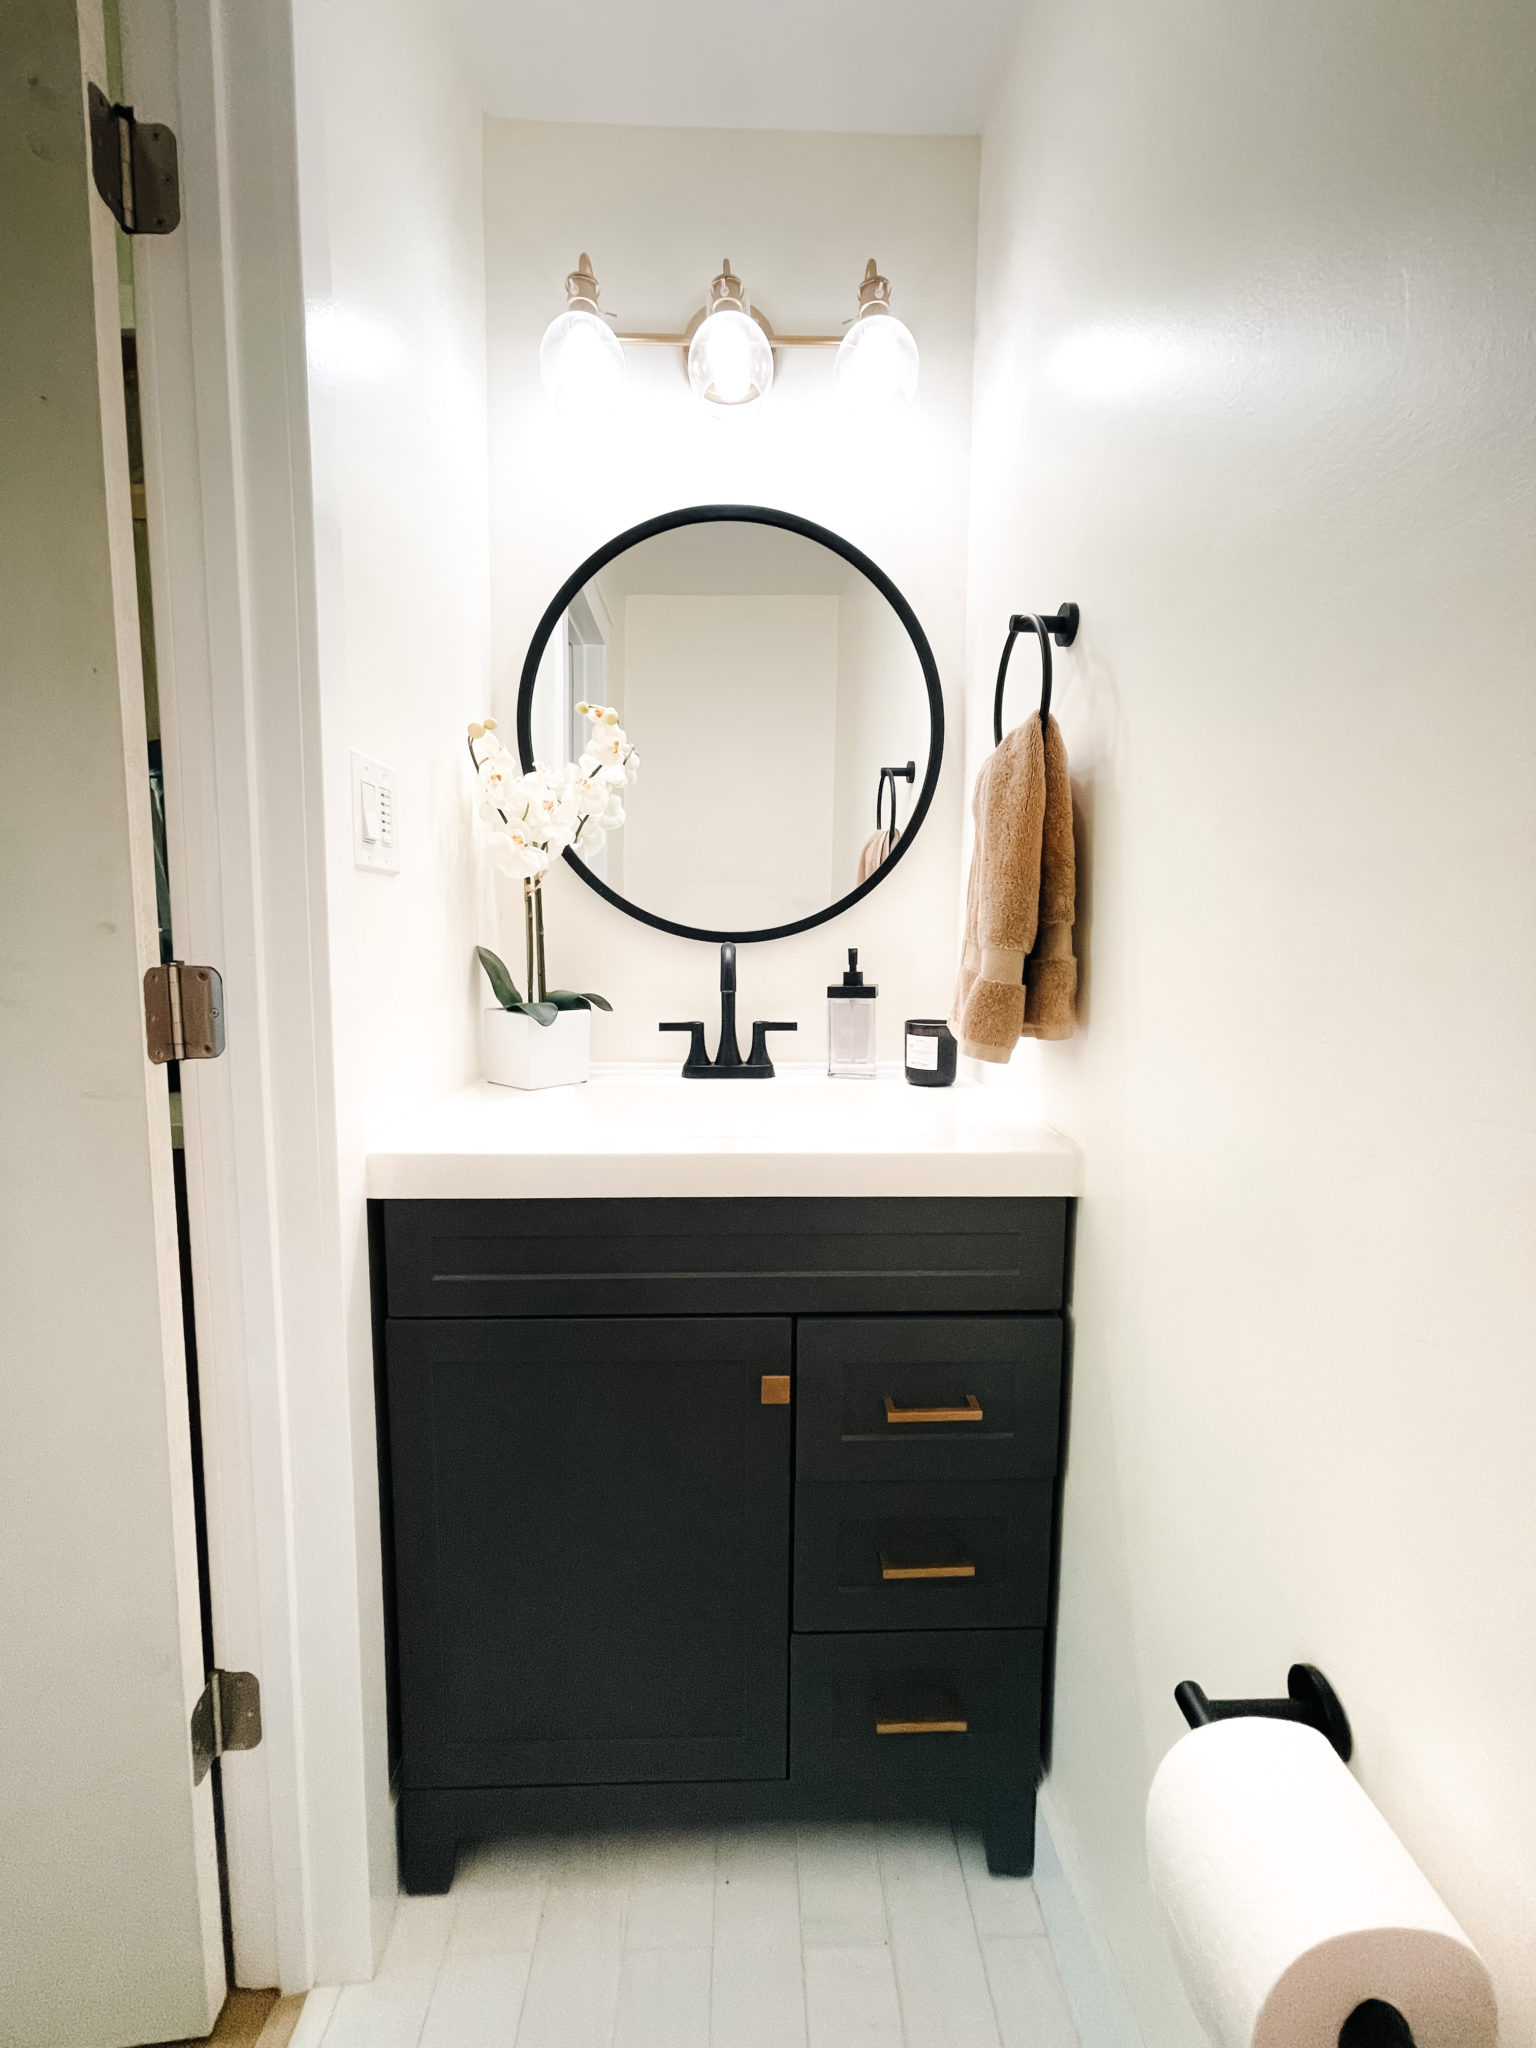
x: 703, y: 674
x: 798, y: 215
x: 1255, y: 387
x: 390, y: 147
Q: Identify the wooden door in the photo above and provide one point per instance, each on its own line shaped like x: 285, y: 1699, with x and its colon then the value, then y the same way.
x: 109, y: 1904
x: 591, y: 1549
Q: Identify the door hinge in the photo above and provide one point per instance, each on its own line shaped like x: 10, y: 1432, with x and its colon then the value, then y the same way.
x: 183, y: 1012
x: 227, y: 1716
x: 134, y: 165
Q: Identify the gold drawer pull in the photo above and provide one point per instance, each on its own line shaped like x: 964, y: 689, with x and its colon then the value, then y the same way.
x: 971, y: 1412
x: 922, y: 1727
x: 958, y: 1570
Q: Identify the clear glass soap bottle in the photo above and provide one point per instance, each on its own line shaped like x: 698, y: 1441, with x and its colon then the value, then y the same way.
x: 851, y: 1025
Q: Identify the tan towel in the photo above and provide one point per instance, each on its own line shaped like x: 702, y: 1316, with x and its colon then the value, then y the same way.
x: 875, y: 851
x: 1017, y: 974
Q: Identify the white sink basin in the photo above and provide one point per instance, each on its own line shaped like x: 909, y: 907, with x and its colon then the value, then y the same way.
x: 643, y: 1130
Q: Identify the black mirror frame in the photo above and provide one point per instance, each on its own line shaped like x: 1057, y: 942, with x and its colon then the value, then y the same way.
x: 791, y: 522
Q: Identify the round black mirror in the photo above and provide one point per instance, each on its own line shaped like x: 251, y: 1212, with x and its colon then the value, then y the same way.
x: 784, y: 705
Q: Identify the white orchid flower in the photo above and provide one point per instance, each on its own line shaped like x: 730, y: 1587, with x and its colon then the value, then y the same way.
x: 543, y: 805
x: 496, y: 775
x: 591, y: 839
x: 516, y: 854
x: 612, y: 776
x: 607, y: 744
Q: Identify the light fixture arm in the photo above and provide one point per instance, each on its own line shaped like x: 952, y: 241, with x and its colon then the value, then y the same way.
x: 581, y: 288
x: 726, y: 290
x: 874, y: 292
x: 774, y: 340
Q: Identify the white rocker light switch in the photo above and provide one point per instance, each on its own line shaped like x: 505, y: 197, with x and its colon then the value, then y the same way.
x: 375, y: 843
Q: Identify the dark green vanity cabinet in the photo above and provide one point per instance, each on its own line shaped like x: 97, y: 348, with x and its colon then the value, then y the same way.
x: 710, y: 1510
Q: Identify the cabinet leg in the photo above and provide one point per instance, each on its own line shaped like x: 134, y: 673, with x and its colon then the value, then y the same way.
x: 1009, y: 1835
x: 429, y: 1844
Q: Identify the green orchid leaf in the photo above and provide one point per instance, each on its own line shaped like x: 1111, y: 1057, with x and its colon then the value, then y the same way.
x: 576, y: 999
x: 502, y: 985
x: 541, y: 1013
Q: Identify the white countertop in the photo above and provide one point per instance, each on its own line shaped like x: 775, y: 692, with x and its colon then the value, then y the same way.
x: 643, y: 1130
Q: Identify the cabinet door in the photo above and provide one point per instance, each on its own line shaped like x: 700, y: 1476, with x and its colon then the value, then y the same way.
x: 591, y: 1549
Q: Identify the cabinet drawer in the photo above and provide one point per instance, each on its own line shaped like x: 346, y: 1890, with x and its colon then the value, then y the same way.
x: 681, y: 1256
x: 923, y: 1556
x: 945, y: 1707
x: 928, y: 1397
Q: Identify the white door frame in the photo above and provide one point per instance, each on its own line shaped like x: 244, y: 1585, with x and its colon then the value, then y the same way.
x: 222, y: 379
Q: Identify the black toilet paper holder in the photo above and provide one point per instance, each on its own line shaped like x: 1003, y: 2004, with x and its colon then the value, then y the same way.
x: 1311, y: 1700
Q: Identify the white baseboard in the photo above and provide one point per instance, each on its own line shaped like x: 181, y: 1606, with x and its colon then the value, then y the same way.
x: 1083, y: 1962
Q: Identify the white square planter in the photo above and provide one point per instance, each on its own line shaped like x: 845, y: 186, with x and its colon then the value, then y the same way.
x: 519, y: 1052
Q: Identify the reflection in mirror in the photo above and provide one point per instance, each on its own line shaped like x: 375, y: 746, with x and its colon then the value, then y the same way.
x: 766, y: 683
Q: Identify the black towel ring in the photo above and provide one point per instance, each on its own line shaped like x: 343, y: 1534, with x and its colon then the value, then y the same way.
x: 892, y: 776
x: 1058, y: 626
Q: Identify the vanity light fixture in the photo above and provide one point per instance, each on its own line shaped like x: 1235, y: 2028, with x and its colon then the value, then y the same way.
x: 729, y: 360
x: 877, y: 361
x: 730, y: 347
x: 580, y: 359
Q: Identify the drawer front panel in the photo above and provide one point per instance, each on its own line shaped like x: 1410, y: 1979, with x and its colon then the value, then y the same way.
x: 922, y: 1556
x: 941, y: 1707
x: 918, y: 1397
x: 725, y: 1257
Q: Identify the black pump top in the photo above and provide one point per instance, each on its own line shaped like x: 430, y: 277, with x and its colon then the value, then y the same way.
x: 852, y: 983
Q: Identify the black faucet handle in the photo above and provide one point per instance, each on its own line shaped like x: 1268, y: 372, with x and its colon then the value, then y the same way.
x: 697, y: 1061
x: 758, y: 1061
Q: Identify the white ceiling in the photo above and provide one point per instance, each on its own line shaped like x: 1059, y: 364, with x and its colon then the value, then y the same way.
x: 902, y: 67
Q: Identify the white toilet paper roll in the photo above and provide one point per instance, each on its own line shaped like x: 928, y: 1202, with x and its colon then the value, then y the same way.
x: 1291, y: 1901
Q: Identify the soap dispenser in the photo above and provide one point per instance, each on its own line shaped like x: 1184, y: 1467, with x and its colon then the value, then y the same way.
x: 851, y: 1025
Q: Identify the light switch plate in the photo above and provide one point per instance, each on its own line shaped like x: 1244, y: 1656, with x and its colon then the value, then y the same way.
x: 375, y: 819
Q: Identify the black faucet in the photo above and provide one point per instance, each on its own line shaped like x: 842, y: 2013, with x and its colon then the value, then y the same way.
x: 727, y: 1064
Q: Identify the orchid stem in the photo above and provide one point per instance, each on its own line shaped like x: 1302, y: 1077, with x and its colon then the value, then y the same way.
x: 538, y: 926
x: 528, y: 937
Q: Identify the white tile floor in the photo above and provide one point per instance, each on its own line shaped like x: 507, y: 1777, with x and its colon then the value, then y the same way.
x: 769, y: 1937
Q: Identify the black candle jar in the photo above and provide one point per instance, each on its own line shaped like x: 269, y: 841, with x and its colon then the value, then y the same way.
x: 930, y: 1053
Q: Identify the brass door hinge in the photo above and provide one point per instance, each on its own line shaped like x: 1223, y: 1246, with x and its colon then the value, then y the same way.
x: 135, y: 168
x: 183, y: 1013
x: 227, y: 1716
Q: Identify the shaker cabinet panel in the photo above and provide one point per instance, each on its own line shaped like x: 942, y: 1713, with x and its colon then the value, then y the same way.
x: 762, y: 1256
x: 592, y: 1543
x: 892, y: 1398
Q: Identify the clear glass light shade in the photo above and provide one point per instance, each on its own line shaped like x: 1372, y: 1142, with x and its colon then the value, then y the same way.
x: 876, y: 365
x: 729, y: 361
x: 581, y: 360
